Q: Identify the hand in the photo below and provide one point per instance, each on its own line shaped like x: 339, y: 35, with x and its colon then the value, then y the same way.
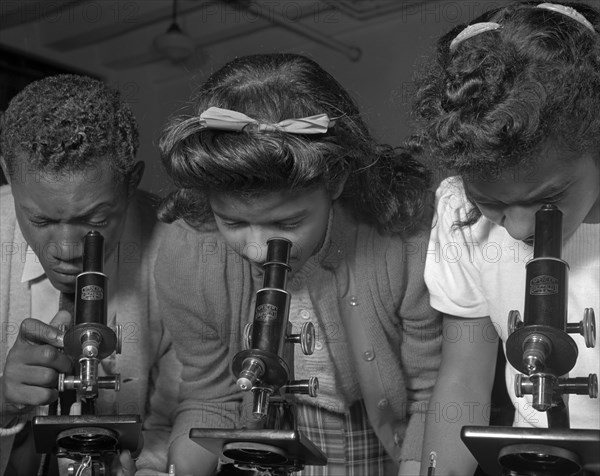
x: 125, y: 465
x: 409, y: 468
x: 34, y: 362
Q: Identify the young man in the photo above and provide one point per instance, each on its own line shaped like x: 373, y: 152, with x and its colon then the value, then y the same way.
x: 68, y: 146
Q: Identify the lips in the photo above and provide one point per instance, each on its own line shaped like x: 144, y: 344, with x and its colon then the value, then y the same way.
x: 67, y: 271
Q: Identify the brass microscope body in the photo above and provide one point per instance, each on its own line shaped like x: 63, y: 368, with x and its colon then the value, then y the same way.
x: 541, y: 349
x: 273, y: 445
x: 90, y: 440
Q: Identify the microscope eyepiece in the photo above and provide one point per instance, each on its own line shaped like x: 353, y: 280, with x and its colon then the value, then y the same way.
x: 93, y: 252
x: 548, y: 232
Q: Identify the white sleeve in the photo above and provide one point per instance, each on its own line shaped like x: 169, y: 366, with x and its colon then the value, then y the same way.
x: 452, y: 271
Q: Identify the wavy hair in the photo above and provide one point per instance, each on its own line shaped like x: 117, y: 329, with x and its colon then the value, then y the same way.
x: 68, y: 122
x: 384, y: 187
x: 500, y: 95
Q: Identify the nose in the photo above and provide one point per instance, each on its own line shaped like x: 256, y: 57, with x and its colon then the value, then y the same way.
x: 67, y: 243
x: 255, y: 245
x: 519, y: 222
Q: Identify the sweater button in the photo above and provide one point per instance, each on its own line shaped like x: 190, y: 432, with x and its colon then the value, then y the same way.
x: 397, y: 439
x: 383, y: 404
x: 304, y: 314
x: 318, y: 345
x: 368, y: 355
x: 353, y: 301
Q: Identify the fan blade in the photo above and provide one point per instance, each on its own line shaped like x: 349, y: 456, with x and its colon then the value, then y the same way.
x: 134, y: 61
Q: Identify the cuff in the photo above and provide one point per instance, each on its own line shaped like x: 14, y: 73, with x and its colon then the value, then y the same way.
x: 413, y: 439
x: 14, y: 426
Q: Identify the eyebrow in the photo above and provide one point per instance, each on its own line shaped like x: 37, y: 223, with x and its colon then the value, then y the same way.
x: 86, y: 213
x: 296, y: 216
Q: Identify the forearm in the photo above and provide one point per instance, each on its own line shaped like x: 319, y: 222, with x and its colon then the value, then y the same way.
x: 461, y: 395
x: 154, y: 452
x: 191, y: 459
x: 451, y: 407
x: 10, y: 413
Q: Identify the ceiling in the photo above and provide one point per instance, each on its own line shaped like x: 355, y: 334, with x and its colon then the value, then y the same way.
x: 119, y: 35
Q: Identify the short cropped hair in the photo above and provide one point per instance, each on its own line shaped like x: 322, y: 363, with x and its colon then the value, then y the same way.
x: 68, y: 122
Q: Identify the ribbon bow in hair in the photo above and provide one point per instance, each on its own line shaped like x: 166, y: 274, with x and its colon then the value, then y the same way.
x: 227, y: 120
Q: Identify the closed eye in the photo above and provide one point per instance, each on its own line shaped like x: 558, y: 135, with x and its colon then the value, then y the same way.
x: 42, y: 223
x: 232, y: 224
x: 554, y: 199
x: 39, y: 223
x: 489, y: 204
x: 288, y: 226
x: 97, y: 224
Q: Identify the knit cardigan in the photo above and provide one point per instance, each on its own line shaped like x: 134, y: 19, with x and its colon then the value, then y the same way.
x: 148, y: 367
x: 205, y: 291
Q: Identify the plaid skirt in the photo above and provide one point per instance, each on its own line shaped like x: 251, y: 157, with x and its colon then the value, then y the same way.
x: 348, y: 440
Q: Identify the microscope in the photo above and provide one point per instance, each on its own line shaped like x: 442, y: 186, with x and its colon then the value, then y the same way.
x: 90, y: 440
x: 542, y: 350
x: 273, y: 445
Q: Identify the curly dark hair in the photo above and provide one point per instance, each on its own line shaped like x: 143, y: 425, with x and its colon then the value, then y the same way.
x: 68, y: 122
x: 496, y: 99
x: 384, y: 187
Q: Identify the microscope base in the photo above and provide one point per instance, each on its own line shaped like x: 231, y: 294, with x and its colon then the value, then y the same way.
x: 73, y: 435
x: 280, y: 450
x: 534, y: 451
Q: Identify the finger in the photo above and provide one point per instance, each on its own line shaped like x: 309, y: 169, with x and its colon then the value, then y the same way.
x: 31, y: 396
x: 62, y: 320
x: 127, y: 464
x: 47, y: 356
x: 140, y: 446
x: 39, y: 376
x: 34, y: 331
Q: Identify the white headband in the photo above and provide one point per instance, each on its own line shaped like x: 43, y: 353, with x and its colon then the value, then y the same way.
x: 477, y: 28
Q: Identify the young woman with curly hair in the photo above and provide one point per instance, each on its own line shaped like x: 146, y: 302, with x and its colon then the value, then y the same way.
x: 510, y: 105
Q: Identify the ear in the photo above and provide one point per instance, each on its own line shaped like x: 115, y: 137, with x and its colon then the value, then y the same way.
x: 135, y: 177
x: 339, y: 187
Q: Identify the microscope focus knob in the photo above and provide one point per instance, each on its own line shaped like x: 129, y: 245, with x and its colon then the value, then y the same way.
x: 514, y: 321
x: 119, y: 342
x: 589, y: 327
x: 586, y: 327
x: 522, y: 385
x: 593, y: 386
x: 247, y: 337
x: 307, y: 338
x: 308, y: 387
x: 313, y: 386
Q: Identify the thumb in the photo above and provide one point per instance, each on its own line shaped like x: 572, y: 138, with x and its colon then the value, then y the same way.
x: 34, y: 331
x: 62, y: 320
x: 126, y: 464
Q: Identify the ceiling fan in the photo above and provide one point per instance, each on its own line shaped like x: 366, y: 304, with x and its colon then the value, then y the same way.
x: 180, y: 49
x: 175, y: 44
